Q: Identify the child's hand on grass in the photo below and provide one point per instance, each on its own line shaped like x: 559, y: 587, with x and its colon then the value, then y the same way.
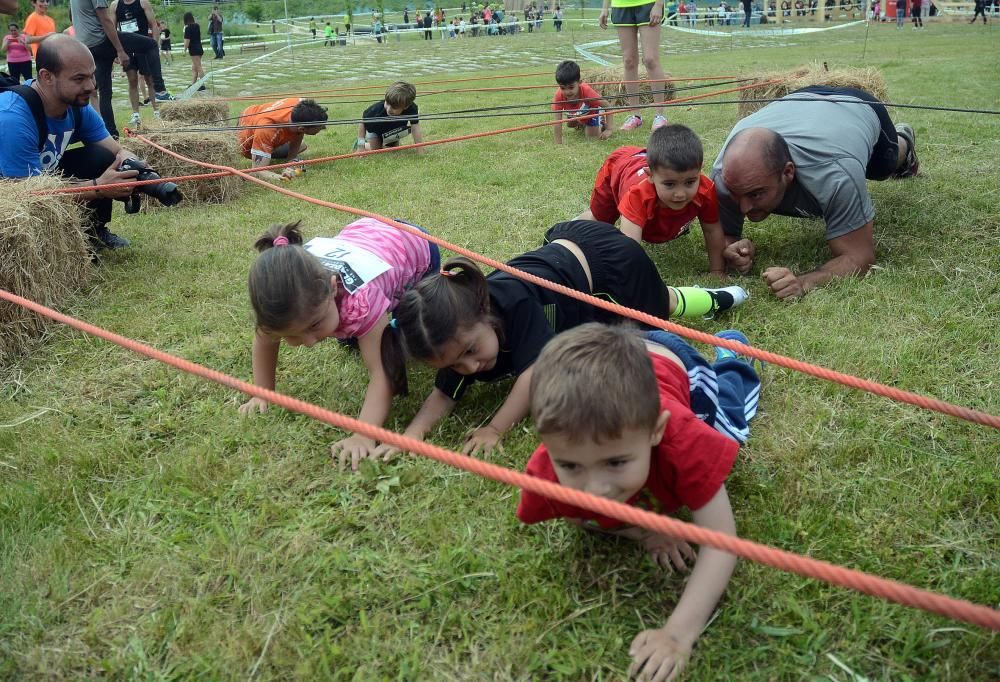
x: 606, y: 134
x: 657, y: 656
x: 668, y: 553
x: 356, y: 447
x: 482, y: 441
x: 386, y: 452
x: 254, y: 405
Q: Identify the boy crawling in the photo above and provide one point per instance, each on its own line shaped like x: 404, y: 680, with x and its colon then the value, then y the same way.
x: 643, y: 419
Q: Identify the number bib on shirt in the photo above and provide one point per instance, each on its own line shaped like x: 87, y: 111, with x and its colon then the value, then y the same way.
x: 395, y: 135
x: 130, y: 26
x: 355, y: 265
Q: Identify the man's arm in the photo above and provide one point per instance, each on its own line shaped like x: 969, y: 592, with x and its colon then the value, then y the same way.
x: 154, y: 26
x: 111, y: 31
x: 8, y: 6
x: 853, y: 254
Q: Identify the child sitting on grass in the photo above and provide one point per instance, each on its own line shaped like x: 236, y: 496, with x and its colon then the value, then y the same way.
x: 646, y: 421
x: 659, y: 191
x: 342, y: 287
x: 477, y: 328
x: 577, y: 98
x: 388, y: 121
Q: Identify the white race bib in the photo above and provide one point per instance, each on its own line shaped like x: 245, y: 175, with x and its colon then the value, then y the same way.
x: 355, y: 265
x: 130, y: 26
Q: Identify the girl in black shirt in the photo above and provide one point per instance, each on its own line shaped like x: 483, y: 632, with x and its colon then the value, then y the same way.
x: 192, y: 43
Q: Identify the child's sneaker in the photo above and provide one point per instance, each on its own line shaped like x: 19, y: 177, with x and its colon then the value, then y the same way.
x: 725, y: 298
x: 726, y: 354
x: 659, y: 122
x: 632, y: 122
x: 911, y: 166
x: 135, y: 119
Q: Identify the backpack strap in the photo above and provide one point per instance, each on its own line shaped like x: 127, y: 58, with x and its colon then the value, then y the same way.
x: 34, y: 102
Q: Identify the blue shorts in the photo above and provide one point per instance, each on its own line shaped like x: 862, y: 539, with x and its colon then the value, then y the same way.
x: 595, y: 122
x: 724, y: 394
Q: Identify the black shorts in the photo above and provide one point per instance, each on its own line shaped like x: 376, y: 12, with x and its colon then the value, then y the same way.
x: 165, y: 46
x: 140, y: 63
x: 885, y: 155
x: 619, y: 267
x: 631, y: 16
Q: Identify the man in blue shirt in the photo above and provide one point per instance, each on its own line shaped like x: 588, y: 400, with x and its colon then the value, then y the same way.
x: 66, y: 82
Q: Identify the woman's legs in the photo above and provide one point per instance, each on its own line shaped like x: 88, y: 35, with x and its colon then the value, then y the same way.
x: 650, y: 37
x: 628, y: 39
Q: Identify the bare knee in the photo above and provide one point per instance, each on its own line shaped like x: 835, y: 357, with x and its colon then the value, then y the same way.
x: 652, y: 63
x: 630, y: 62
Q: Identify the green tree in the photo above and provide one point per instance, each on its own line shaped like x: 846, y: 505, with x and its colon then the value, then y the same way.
x: 255, y: 12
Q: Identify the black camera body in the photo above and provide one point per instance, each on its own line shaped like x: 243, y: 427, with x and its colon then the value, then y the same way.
x: 164, y: 192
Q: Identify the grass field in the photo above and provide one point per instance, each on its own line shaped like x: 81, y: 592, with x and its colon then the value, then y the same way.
x: 147, y: 532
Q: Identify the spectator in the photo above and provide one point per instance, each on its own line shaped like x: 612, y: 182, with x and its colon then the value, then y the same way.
x: 18, y: 55
x: 61, y: 96
x: 428, y: 23
x: 557, y: 19
x: 215, y: 32
x: 192, y: 43
x: 137, y: 16
x: 38, y: 25
x: 747, y: 12
x: 96, y: 29
x: 166, y: 49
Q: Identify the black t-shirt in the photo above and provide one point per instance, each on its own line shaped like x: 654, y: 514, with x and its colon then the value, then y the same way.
x: 389, y: 128
x: 131, y: 18
x: 529, y: 315
x: 192, y: 33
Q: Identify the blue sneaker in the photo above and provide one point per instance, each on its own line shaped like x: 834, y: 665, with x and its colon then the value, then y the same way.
x: 164, y: 97
x: 726, y: 354
x: 107, y: 239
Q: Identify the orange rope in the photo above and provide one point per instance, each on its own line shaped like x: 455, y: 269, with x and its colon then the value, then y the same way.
x: 337, y: 157
x: 279, y: 95
x: 890, y: 590
x: 798, y: 365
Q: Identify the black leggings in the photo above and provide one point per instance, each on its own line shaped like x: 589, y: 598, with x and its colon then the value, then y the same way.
x: 89, y: 163
x: 885, y: 155
x: 19, y: 71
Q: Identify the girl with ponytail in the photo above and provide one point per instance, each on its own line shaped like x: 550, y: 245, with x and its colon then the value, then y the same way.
x: 473, y: 327
x: 342, y: 287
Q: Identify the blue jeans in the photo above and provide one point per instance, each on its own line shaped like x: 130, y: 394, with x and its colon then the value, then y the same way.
x: 724, y: 394
x: 216, y: 40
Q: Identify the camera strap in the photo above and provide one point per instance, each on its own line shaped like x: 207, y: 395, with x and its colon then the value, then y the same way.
x: 34, y: 102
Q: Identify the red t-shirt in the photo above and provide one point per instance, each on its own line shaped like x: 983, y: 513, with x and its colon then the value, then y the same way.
x: 687, y: 468
x: 266, y: 140
x: 591, y: 98
x: 637, y: 201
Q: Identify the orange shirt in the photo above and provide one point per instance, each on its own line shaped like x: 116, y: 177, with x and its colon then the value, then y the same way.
x: 264, y: 141
x: 660, y: 223
x: 38, y: 25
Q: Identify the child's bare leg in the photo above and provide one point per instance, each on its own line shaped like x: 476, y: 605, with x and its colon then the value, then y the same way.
x: 586, y: 215
x: 374, y: 142
x: 593, y: 131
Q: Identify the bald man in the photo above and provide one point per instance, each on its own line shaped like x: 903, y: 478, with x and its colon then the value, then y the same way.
x: 809, y: 156
x: 63, y: 88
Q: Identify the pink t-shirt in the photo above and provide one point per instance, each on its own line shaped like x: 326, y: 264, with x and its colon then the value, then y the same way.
x: 370, y: 246
x: 16, y: 52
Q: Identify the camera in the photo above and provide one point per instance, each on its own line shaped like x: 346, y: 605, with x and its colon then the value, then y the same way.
x: 164, y: 192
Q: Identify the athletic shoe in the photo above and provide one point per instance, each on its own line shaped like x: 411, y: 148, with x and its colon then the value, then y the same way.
x: 726, y: 354
x: 632, y: 122
x: 135, y: 119
x: 912, y: 166
x: 106, y: 239
x: 164, y: 97
x: 201, y: 88
x: 659, y: 122
x: 145, y: 102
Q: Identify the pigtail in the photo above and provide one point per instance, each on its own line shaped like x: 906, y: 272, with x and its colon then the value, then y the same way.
x: 393, y: 353
x: 462, y: 272
x: 289, y: 231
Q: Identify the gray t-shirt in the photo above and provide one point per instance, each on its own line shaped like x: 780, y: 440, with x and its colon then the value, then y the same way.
x: 88, y: 27
x: 830, y: 144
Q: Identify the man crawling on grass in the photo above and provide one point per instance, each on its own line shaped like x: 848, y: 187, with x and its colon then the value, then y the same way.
x: 645, y: 420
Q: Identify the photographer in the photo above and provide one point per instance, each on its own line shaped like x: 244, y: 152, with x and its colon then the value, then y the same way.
x: 64, y: 86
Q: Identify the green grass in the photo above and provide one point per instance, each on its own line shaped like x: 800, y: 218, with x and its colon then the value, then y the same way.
x: 147, y: 532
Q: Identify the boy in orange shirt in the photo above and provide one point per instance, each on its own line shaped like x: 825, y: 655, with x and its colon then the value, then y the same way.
x: 659, y: 191
x: 38, y: 25
x: 576, y: 98
x: 300, y: 117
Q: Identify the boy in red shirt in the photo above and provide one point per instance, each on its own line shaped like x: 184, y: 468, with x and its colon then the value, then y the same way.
x: 659, y: 191
x: 646, y: 421
x: 577, y: 98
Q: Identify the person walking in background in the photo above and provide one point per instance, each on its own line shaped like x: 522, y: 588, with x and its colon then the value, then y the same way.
x: 980, y: 9
x: 215, y: 32
x: 192, y: 43
x: 747, y: 12
x: 915, y: 11
x: 38, y: 25
x: 900, y: 13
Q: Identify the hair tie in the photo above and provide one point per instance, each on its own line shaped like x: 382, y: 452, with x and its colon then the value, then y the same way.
x: 447, y: 273
x: 280, y: 240
x: 393, y: 323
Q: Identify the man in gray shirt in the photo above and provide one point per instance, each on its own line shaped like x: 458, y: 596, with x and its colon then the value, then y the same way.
x: 809, y: 156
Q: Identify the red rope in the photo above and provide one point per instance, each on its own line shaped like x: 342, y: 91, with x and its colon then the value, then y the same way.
x: 899, y: 395
x: 859, y: 581
x: 337, y: 157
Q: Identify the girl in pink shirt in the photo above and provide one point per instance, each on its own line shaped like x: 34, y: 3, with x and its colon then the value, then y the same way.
x: 342, y: 287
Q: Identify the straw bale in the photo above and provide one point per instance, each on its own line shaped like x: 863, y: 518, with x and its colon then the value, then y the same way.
x: 196, y: 111
x: 213, y: 147
x: 44, y: 253
x: 615, y: 91
x: 867, y: 78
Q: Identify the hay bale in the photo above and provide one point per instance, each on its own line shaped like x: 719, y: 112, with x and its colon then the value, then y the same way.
x: 213, y: 147
x: 44, y: 253
x: 613, y: 89
x: 866, y: 78
x: 196, y: 111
